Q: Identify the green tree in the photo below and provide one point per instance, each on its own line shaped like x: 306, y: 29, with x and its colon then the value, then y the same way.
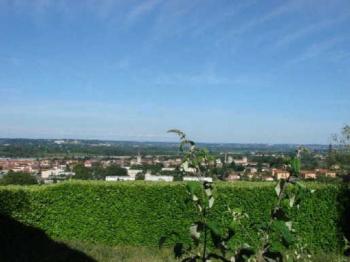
x: 343, y: 148
x: 115, y: 170
x: 343, y: 138
x: 153, y: 169
x: 98, y: 172
x: 140, y: 176
x: 308, y: 161
x: 18, y: 178
x: 82, y: 172
x: 277, y: 162
x: 331, y: 157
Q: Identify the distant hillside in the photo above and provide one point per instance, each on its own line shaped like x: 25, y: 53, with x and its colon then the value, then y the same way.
x: 84, y: 148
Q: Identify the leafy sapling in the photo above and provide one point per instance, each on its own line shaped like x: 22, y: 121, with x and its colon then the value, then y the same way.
x: 208, y: 240
x: 279, y: 234
x: 211, y: 242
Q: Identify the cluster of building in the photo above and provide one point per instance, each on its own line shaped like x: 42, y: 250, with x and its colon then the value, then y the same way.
x: 251, y: 171
x: 150, y: 177
x: 46, y: 170
x: 129, y: 161
x: 50, y: 170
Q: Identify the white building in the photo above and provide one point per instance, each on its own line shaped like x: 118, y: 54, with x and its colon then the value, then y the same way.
x: 253, y: 170
x: 168, y: 169
x: 119, y: 178
x: 243, y: 161
x: 280, y: 174
x: 229, y: 160
x: 308, y: 174
x: 133, y: 172
x: 233, y: 177
x: 55, y: 172
x: 188, y: 169
x: 139, y: 159
x: 149, y: 177
x: 194, y: 178
x: 59, y: 142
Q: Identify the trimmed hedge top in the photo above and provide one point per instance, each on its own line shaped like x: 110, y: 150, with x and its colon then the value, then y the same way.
x: 140, y: 213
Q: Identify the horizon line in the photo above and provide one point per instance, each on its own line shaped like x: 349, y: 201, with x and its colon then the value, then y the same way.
x: 154, y: 141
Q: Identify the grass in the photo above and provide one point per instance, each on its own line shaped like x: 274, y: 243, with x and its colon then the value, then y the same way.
x: 104, y: 253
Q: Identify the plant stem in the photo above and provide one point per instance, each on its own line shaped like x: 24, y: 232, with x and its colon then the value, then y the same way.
x: 204, y: 221
x: 262, y: 250
x: 205, y: 243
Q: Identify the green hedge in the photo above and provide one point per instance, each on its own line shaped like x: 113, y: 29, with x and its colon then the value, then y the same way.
x: 139, y: 213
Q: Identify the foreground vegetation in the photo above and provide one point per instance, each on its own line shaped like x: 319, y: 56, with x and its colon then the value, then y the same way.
x: 104, y: 253
x: 140, y: 213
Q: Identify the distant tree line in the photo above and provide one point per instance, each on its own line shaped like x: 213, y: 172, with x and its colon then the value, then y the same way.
x: 97, y: 172
x: 18, y: 178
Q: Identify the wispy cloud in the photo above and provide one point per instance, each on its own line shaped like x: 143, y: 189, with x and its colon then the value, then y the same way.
x: 233, y: 11
x: 286, y: 7
x: 102, y: 9
x: 142, y: 9
x: 11, y: 60
x: 309, y: 29
x: 207, y: 78
x: 318, y: 49
x: 172, y: 20
x: 196, y: 79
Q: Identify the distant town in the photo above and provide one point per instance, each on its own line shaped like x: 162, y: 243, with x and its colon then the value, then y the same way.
x: 54, y: 161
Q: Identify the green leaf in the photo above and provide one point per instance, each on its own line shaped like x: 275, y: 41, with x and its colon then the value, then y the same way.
x: 292, y: 200
x: 234, y: 225
x: 211, y: 202
x: 289, y: 225
x: 213, y: 227
x: 237, y: 210
x: 300, y: 185
x: 276, y: 247
x: 181, y: 134
x: 208, y: 192
x: 295, y: 166
x: 278, y: 188
x: 193, y: 188
x: 281, y: 229
x: 194, y: 231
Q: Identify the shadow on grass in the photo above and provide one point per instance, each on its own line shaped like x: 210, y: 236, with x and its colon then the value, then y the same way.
x: 344, y: 200
x: 19, y: 242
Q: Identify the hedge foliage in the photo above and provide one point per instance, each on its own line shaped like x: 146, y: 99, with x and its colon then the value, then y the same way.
x: 140, y: 213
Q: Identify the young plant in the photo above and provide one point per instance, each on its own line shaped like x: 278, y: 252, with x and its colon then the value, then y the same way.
x: 278, y: 235
x: 208, y: 241
x: 211, y: 242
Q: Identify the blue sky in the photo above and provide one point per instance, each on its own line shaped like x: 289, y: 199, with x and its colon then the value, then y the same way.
x: 223, y: 71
